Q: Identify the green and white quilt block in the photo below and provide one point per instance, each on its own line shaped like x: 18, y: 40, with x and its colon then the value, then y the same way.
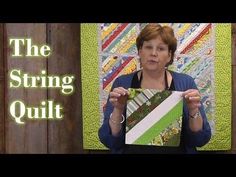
x: 154, y: 117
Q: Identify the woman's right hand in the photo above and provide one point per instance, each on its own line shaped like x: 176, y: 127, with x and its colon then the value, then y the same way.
x: 118, y: 98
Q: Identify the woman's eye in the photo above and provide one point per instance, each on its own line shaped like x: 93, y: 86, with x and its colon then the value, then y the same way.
x: 148, y: 47
x: 161, y: 48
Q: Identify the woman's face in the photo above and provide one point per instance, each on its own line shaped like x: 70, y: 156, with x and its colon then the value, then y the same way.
x: 154, y: 54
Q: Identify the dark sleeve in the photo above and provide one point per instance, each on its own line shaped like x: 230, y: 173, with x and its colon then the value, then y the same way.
x: 202, y: 137
x: 104, y: 133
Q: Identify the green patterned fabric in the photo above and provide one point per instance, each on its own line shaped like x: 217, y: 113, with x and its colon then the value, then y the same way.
x: 90, y: 86
x: 221, y: 139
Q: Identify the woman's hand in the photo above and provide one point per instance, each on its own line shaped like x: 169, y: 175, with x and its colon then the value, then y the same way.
x: 193, y: 98
x: 118, y: 98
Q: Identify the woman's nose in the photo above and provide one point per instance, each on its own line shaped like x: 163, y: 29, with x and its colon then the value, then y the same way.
x: 154, y: 52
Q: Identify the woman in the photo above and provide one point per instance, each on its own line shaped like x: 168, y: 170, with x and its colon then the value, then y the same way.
x: 156, y: 47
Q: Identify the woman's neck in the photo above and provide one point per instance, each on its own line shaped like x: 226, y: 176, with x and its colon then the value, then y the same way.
x: 153, y: 79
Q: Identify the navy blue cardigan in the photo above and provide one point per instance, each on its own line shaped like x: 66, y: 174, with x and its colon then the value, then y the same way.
x: 192, y: 140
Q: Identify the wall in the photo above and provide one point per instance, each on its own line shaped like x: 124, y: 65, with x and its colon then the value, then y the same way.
x: 43, y: 136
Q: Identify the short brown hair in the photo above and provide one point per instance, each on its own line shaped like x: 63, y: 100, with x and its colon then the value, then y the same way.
x: 151, y: 31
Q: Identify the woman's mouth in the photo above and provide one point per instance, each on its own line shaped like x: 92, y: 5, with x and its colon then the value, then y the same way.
x: 152, y: 61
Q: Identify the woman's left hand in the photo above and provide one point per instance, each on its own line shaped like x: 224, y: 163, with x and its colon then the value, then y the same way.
x: 193, y: 100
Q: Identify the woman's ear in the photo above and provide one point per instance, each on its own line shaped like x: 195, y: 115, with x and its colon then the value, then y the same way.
x: 140, y: 62
x: 169, y: 59
x: 139, y: 51
x: 169, y: 56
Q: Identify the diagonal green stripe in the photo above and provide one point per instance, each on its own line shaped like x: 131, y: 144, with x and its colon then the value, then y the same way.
x: 145, y: 109
x: 158, y: 127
